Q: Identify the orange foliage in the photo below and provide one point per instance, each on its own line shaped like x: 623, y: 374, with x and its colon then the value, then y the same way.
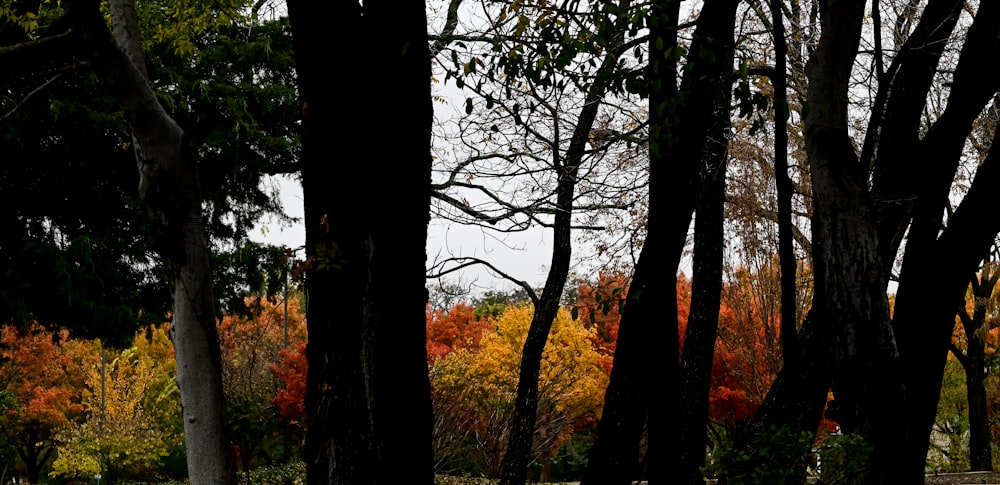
x: 257, y: 366
x: 44, y: 371
x: 599, y: 306
x: 748, y: 349
x: 457, y: 328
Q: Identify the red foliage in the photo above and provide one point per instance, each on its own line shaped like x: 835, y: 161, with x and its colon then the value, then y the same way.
x: 457, y: 328
x: 599, y: 306
x: 292, y: 372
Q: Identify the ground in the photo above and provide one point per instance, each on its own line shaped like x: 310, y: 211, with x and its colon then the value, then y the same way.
x: 960, y: 478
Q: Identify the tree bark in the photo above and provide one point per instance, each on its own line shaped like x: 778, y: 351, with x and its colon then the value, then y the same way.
x: 973, y: 361
x: 936, y: 263
x: 784, y: 188
x: 706, y: 298
x: 368, y: 391
x: 849, y: 275
x: 643, y: 333
x: 170, y: 192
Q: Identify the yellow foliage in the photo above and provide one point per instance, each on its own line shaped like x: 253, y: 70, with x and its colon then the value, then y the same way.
x: 125, y: 431
x: 571, y: 382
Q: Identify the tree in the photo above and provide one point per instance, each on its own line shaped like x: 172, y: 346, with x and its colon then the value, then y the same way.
x: 170, y: 191
x: 911, y: 354
x: 42, y: 371
x: 120, y: 437
x: 456, y: 328
x: 39, y: 54
x: 483, y: 381
x: 251, y: 348
x: 560, y: 82
x: 367, y: 401
x: 970, y: 350
x: 292, y: 372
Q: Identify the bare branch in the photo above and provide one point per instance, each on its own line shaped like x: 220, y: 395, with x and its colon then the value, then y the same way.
x: 465, y: 262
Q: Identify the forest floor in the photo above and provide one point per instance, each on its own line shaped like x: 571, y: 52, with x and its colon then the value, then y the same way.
x: 960, y: 478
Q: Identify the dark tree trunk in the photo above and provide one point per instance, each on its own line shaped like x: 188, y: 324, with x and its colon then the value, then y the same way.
x: 33, y: 452
x: 647, y: 336
x: 368, y: 393
x: 706, y: 295
x: 980, y: 443
x: 973, y: 361
x: 517, y: 456
x: 895, y: 127
x: 783, y: 186
x: 980, y: 446
x: 679, y: 134
x: 936, y: 264
x: 850, y: 303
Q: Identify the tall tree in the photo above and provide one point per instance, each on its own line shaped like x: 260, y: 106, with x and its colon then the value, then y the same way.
x: 936, y: 262
x: 975, y: 326
x: 171, y: 194
x: 698, y: 352
x: 368, y: 394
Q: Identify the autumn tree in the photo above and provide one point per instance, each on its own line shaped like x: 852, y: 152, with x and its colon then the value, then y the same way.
x: 122, y: 437
x: 544, y: 160
x: 251, y: 346
x: 367, y: 400
x: 483, y: 381
x: 42, y: 370
x: 453, y: 329
x: 969, y: 347
x: 291, y: 371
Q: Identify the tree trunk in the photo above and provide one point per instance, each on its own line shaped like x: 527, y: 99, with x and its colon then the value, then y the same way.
x: 649, y: 317
x: 980, y: 446
x: 973, y: 361
x: 706, y: 295
x: 783, y: 186
x: 170, y: 192
x: 514, y: 468
x: 679, y: 135
x: 937, y: 263
x: 368, y: 392
x: 849, y: 284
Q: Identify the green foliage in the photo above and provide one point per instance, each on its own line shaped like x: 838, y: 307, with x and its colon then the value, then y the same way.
x: 228, y: 80
x: 774, y: 456
x: 8, y: 448
x: 842, y: 458
x: 290, y: 474
x: 949, y: 451
x: 463, y: 480
x: 493, y: 302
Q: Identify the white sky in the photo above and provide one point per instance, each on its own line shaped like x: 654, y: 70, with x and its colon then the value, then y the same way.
x: 524, y: 256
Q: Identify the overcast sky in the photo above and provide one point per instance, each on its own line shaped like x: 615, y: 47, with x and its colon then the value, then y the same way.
x: 524, y: 256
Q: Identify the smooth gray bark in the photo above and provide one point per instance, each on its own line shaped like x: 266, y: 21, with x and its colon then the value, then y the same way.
x: 170, y: 192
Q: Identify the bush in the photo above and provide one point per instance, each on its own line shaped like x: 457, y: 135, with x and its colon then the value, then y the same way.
x: 772, y: 457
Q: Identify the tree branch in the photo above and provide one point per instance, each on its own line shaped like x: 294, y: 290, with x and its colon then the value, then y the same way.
x: 465, y: 262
